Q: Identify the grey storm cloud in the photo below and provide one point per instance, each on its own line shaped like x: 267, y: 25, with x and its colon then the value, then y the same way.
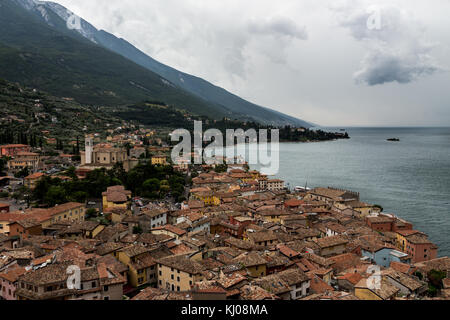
x: 394, y: 40
x: 279, y: 26
x: 384, y: 66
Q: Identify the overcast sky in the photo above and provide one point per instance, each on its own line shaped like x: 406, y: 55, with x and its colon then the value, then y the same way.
x: 331, y: 62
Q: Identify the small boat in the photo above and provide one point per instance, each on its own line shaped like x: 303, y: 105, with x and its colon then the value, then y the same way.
x: 302, y: 189
x: 393, y: 139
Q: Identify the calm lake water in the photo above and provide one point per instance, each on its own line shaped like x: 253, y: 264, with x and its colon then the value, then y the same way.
x: 410, y: 178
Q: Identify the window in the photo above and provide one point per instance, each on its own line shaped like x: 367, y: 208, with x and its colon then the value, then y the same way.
x: 171, y: 276
x: 105, y: 288
x: 178, y: 279
x: 178, y: 288
x: 94, y: 284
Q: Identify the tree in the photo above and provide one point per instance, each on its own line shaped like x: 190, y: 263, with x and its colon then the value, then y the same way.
x: 55, y: 195
x: 91, y: 213
x: 220, y: 168
x: 118, y: 172
x: 151, y: 185
x: 2, y: 166
x: 22, y: 173
x: 137, y: 230
x: 379, y: 207
x: 435, y: 278
x: 79, y: 196
x: 71, y: 172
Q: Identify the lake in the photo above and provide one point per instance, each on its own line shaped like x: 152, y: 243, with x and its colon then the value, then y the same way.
x: 410, y: 178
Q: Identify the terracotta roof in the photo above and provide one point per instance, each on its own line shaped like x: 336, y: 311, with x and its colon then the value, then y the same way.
x: 183, y: 263
x: 331, y: 241
x: 317, y: 285
x: 134, y: 250
x: 50, y: 274
x: 407, y: 233
x: 250, y: 259
x: 36, y: 175
x: 262, y: 236
x: 171, y: 228
x: 385, y: 292
x: 401, y: 267
x: 293, y: 203
x: 352, y: 277
x: 288, y: 252
x: 12, y: 275
x: 116, y: 197
x: 249, y: 292
x: 407, y: 281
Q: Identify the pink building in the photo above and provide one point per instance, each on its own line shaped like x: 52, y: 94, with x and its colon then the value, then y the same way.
x: 8, y: 281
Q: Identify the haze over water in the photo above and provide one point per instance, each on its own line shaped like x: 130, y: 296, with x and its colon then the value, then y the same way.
x: 410, y: 178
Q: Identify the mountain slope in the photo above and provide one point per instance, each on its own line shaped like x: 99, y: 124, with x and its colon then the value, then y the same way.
x: 64, y: 63
x: 216, y: 96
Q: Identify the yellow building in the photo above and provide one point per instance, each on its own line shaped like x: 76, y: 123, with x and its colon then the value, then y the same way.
x: 273, y: 215
x: 208, y: 198
x: 68, y: 212
x: 6, y: 219
x: 24, y: 160
x: 169, y: 230
x: 72, y: 211
x: 141, y: 266
x: 378, y: 289
x: 402, y: 238
x: 254, y: 264
x: 179, y: 273
x: 116, y: 197
x: 159, y: 160
x: 31, y: 180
